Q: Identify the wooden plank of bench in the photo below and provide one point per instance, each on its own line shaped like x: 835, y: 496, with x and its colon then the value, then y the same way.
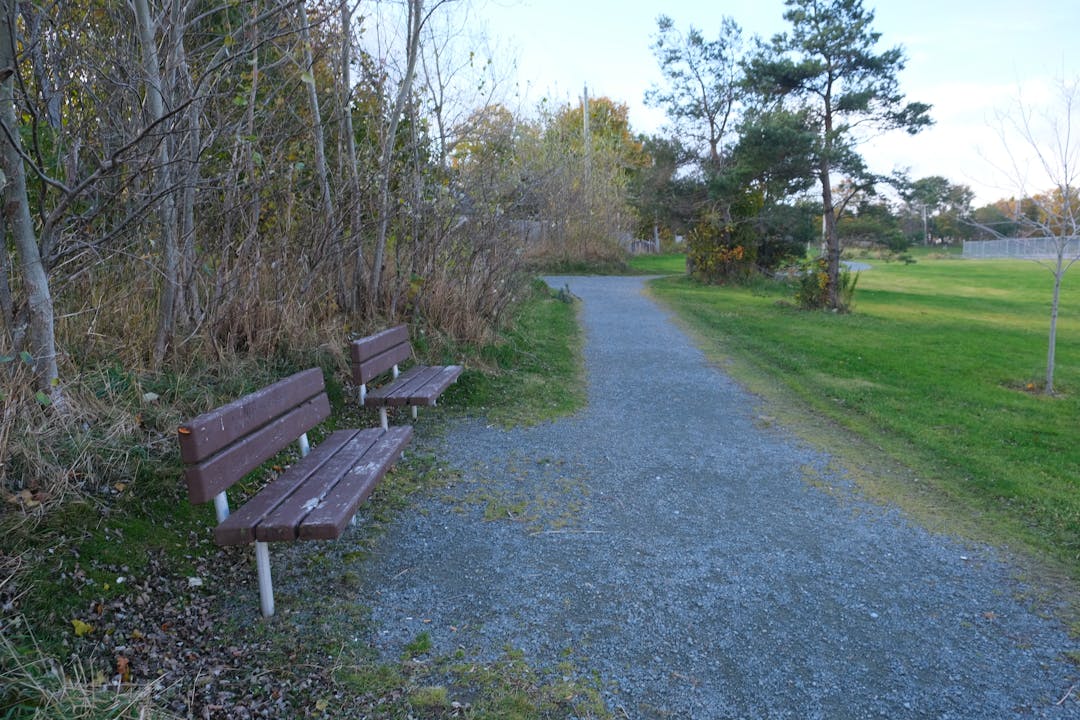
x: 364, y: 372
x: 205, y: 435
x: 372, y: 345
x: 374, y: 355
x: 398, y: 392
x: 418, y: 386
x: 210, y: 477
x: 435, y: 386
x: 239, y: 527
x: 328, y: 520
x: 283, y: 522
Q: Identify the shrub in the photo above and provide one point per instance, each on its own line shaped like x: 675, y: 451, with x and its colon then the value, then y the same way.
x: 812, y: 292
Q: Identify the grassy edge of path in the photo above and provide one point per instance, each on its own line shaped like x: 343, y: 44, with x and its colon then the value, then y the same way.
x: 887, y: 470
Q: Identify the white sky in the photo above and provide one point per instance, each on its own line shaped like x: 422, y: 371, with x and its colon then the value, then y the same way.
x: 967, y: 58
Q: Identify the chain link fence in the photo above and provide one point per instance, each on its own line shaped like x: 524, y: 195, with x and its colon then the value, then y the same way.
x: 1023, y: 248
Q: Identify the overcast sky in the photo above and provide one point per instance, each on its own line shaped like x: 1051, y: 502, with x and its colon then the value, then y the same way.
x: 968, y: 58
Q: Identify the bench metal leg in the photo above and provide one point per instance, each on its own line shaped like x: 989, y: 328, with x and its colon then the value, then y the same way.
x: 221, y: 507
x: 414, y: 409
x: 266, y: 586
x: 382, y: 418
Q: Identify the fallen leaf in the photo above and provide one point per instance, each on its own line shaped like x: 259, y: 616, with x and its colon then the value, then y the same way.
x: 81, y: 629
x: 321, y: 705
x: 120, y: 487
x: 990, y: 615
x: 123, y: 668
x: 24, y: 498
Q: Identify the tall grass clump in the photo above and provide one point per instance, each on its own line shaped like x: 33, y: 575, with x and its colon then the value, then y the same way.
x: 36, y: 686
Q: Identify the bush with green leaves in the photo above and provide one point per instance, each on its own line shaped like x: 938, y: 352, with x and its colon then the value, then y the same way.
x: 812, y: 291
x: 723, y: 246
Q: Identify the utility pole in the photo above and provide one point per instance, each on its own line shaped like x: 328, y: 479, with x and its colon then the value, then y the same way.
x: 585, y: 118
x: 586, y: 135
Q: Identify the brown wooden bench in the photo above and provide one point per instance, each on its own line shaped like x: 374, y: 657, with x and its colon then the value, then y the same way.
x: 381, y: 353
x: 314, y: 499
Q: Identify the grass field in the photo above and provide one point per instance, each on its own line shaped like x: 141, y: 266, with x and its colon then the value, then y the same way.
x: 932, y: 369
x: 672, y: 264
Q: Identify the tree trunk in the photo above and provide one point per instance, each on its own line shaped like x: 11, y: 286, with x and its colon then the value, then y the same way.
x: 832, y: 240
x: 17, y: 213
x: 7, y: 305
x: 329, y: 210
x: 187, y: 298
x: 352, y: 163
x: 828, y: 209
x: 170, y: 245
x: 1059, y: 272
x: 416, y: 8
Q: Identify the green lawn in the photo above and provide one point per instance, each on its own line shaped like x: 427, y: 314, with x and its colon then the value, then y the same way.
x: 931, y: 370
x: 673, y: 264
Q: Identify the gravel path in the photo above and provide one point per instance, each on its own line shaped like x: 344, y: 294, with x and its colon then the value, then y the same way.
x: 702, y: 563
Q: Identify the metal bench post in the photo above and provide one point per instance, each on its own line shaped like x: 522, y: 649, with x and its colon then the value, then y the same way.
x: 305, y: 446
x: 266, y: 585
x: 382, y: 418
x: 221, y: 507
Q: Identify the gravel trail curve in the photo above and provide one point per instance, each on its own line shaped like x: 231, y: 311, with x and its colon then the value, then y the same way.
x: 700, y: 562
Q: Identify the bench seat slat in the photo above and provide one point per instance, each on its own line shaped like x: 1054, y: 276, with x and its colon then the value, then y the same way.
x: 283, y: 523
x: 419, y: 385
x: 329, y: 518
x: 215, y: 474
x: 399, y: 391
x: 239, y: 527
x: 435, y: 386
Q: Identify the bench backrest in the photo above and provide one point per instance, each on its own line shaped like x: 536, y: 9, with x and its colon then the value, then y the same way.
x: 222, y: 446
x: 378, y: 353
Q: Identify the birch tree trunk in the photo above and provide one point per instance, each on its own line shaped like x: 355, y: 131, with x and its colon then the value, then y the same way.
x: 155, y: 100
x: 7, y: 304
x: 329, y: 210
x: 42, y: 335
x: 416, y: 10
x: 187, y: 150
x: 352, y: 162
